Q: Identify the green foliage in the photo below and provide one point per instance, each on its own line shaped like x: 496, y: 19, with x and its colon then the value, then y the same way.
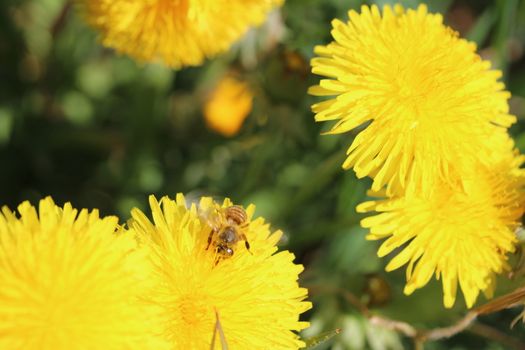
x: 312, y: 343
x: 84, y: 124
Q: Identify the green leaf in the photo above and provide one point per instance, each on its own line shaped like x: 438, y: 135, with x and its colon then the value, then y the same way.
x: 481, y: 29
x: 321, y: 338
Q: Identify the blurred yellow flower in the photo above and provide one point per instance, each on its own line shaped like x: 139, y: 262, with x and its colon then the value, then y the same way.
x: 255, y: 292
x: 420, y: 96
x: 460, y: 232
x: 71, y: 281
x: 176, y: 32
x: 228, y: 106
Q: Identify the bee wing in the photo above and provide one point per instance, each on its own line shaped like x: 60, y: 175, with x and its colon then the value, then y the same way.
x: 194, y: 197
x: 211, y: 215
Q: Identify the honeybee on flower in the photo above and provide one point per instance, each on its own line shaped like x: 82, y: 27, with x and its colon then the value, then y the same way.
x: 227, y: 226
x: 193, y: 289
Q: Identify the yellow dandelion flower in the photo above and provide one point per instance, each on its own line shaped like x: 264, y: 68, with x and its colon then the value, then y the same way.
x: 69, y: 281
x: 255, y: 292
x: 420, y: 95
x: 228, y: 106
x: 176, y: 32
x: 461, y: 233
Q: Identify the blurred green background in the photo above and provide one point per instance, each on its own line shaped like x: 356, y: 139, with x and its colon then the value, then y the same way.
x: 86, y: 125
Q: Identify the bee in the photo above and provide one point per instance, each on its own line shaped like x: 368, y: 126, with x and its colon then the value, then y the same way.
x: 227, y: 229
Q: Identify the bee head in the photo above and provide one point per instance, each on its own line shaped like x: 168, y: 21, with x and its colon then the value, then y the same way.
x: 223, y: 250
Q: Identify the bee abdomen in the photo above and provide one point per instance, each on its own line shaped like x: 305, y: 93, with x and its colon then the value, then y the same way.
x: 237, y: 214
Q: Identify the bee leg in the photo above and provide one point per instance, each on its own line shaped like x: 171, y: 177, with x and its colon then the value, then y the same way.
x: 210, y: 236
x: 246, y: 243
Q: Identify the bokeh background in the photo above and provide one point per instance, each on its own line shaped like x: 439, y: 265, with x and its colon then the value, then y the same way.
x: 85, y: 125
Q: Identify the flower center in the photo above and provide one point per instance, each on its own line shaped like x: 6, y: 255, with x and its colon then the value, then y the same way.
x: 193, y: 309
x: 417, y: 89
